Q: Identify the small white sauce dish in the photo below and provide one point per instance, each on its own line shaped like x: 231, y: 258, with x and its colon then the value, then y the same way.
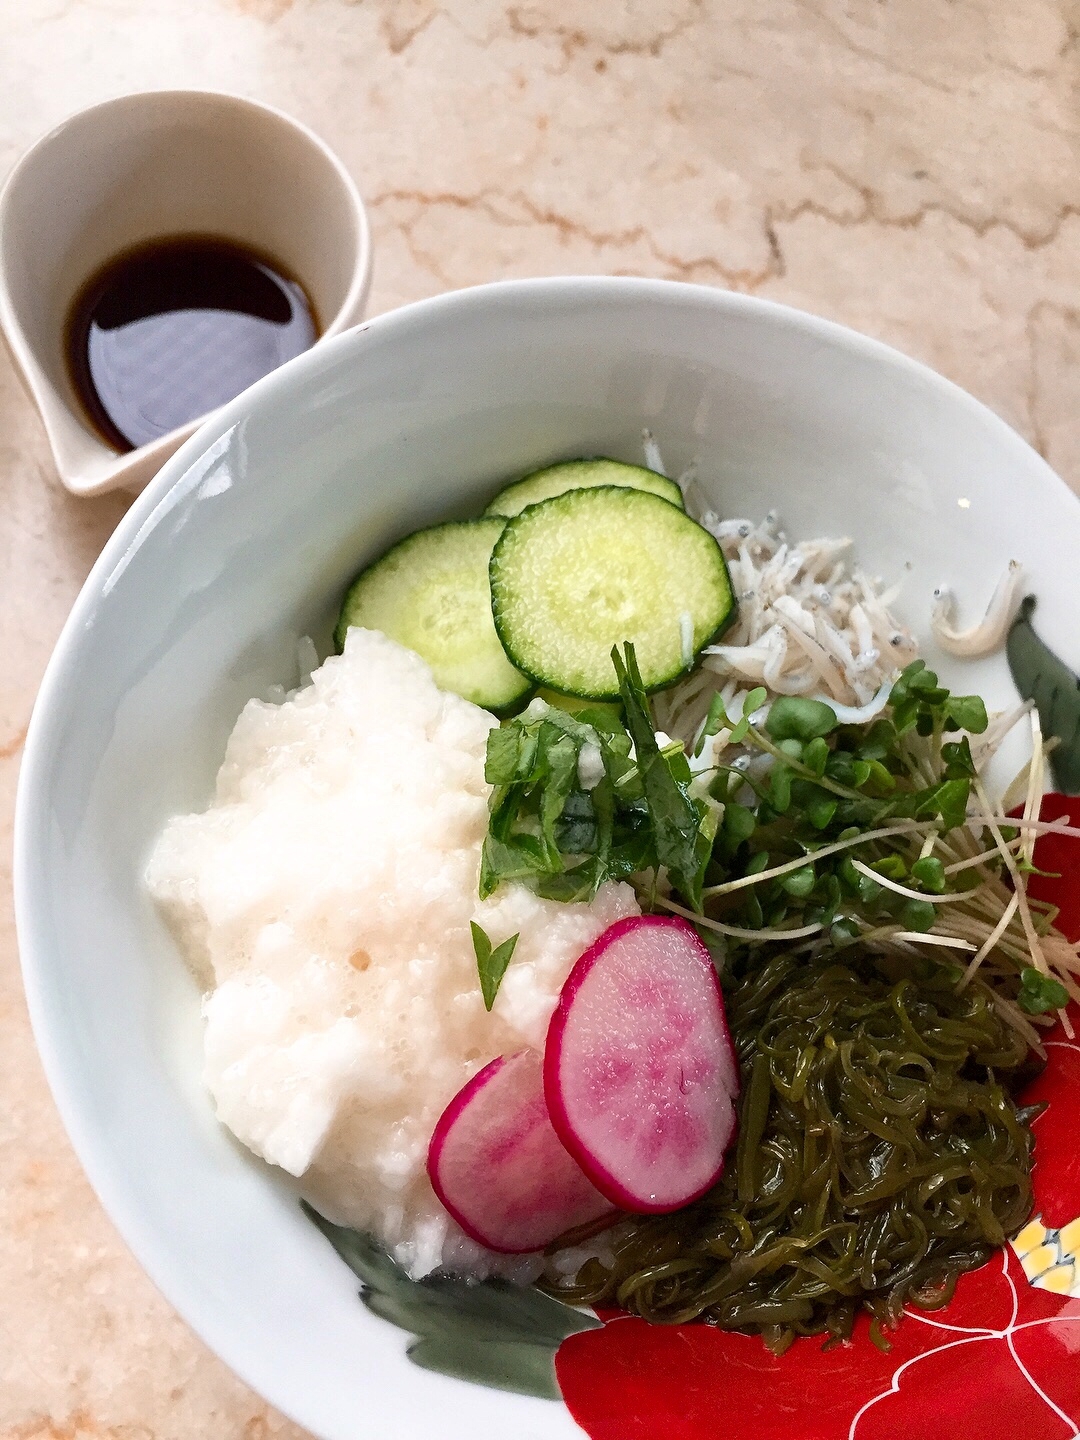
x: 154, y: 165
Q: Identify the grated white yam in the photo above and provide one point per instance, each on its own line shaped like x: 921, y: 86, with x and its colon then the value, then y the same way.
x: 324, y: 899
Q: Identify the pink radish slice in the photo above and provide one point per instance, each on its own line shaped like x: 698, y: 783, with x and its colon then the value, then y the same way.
x: 639, y: 1071
x: 498, y: 1166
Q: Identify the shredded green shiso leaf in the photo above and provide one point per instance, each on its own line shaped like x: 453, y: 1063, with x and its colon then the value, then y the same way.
x: 564, y: 839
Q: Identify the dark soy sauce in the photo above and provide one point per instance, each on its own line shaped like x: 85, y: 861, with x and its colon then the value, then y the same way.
x: 176, y: 327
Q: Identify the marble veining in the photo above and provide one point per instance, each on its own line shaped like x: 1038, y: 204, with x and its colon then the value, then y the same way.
x: 905, y: 166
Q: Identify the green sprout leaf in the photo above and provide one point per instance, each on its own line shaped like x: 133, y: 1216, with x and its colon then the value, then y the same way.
x: 921, y: 680
x: 715, y: 721
x: 490, y: 964
x: 952, y: 803
x: 956, y: 755
x: 754, y: 701
x: 1040, y: 993
x: 966, y: 712
x: 738, y: 734
x: 869, y: 890
x: 878, y: 778
x: 879, y: 741
x: 780, y: 788
x: 794, y: 718
x: 820, y: 809
x: 930, y: 873
x: 814, y: 756
x: 739, y: 821
x: 918, y: 915
x: 843, y: 931
x: 799, y: 883
x: 891, y: 866
x: 947, y: 801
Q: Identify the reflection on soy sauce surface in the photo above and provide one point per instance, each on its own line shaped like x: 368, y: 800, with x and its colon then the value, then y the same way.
x: 173, y: 328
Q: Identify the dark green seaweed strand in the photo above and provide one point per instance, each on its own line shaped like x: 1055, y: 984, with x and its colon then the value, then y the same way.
x: 880, y: 1156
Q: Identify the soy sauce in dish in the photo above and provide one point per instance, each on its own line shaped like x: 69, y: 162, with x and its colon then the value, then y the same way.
x: 173, y: 328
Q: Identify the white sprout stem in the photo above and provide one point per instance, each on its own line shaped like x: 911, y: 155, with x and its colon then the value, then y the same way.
x: 737, y: 931
x: 1033, y: 799
x: 984, y: 747
x: 907, y: 893
x: 980, y: 859
x: 1038, y: 827
x: 1071, y: 986
x: 917, y: 937
x: 978, y: 930
x: 1063, y: 947
x: 1004, y: 721
x: 990, y: 941
x: 1037, y: 956
x: 1017, y: 788
x: 881, y: 932
x: 915, y: 827
x: 977, y: 925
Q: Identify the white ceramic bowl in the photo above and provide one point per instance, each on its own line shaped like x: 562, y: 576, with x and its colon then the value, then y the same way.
x: 245, y: 541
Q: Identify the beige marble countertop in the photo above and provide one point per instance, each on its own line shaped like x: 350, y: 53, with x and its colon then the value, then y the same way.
x: 906, y: 166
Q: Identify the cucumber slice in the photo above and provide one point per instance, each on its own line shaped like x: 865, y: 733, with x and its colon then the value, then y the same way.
x: 580, y: 475
x: 431, y: 593
x: 590, y: 569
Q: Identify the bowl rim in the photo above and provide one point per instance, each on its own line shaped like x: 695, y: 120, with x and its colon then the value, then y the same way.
x: 107, y: 1178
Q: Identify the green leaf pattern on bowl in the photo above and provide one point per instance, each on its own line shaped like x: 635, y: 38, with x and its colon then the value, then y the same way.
x: 1040, y: 676
x: 491, y: 1332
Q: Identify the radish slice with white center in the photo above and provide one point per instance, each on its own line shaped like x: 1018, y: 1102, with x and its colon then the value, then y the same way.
x: 640, y: 1072
x: 498, y: 1166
